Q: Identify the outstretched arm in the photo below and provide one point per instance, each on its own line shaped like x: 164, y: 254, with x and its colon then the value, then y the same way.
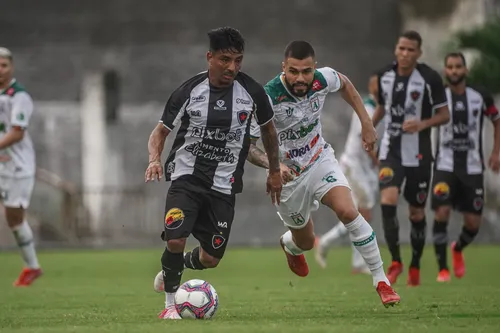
x: 351, y: 95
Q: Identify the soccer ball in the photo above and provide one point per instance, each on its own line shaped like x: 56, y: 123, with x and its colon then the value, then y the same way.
x: 196, y: 299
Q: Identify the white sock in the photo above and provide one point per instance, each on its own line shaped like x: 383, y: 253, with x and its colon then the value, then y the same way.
x: 290, y: 246
x: 169, y: 299
x: 25, y: 241
x: 363, y: 238
x: 357, y: 258
x: 327, y: 240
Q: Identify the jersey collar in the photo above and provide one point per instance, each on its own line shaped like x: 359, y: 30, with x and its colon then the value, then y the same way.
x: 10, y: 85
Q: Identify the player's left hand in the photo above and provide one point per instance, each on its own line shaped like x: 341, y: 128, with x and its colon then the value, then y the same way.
x: 413, y: 126
x: 286, y: 173
x: 494, y: 162
x: 274, y: 186
x: 369, y: 136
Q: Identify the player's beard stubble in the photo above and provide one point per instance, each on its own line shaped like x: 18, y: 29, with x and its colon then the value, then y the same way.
x: 303, y: 86
x: 454, y: 80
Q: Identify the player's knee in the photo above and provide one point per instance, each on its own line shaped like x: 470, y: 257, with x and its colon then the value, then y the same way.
x: 208, y: 261
x: 14, y: 216
x: 417, y: 214
x: 389, y: 196
x: 176, y: 245
x: 442, y: 214
x: 472, y: 221
x: 347, y: 213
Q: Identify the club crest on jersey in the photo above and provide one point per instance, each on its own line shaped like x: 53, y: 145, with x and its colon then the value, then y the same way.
x: 315, y: 104
x: 217, y: 241
x: 242, y: 117
x: 174, y: 218
x: 415, y: 95
x: 441, y: 191
x: 385, y: 175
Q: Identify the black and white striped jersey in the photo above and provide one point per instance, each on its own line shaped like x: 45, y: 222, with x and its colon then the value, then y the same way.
x: 213, y: 138
x: 460, y: 144
x: 404, y: 98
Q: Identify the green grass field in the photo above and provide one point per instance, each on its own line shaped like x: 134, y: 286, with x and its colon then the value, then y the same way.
x: 111, y: 291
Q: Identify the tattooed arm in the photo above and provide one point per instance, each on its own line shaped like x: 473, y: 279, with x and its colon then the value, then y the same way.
x: 256, y: 156
x: 270, y: 141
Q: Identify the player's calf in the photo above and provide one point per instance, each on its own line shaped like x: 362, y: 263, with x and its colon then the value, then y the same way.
x: 417, y: 234
x: 198, y: 259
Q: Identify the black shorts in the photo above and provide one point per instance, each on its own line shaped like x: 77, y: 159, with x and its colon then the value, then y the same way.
x: 393, y: 173
x: 193, y: 208
x: 464, y: 193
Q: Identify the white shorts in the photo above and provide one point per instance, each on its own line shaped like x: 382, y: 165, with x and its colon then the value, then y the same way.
x: 302, y: 195
x: 364, y: 185
x: 16, y: 192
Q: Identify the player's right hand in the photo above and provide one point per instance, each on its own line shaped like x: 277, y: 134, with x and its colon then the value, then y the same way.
x: 274, y: 186
x: 286, y: 173
x: 154, y: 171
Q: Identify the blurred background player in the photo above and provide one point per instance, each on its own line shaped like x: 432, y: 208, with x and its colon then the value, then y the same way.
x: 298, y: 95
x: 214, y: 110
x: 459, y: 168
x: 412, y: 100
x: 361, y: 170
x: 17, y: 164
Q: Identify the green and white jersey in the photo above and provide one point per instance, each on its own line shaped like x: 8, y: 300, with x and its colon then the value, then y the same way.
x: 16, y: 108
x: 297, y: 120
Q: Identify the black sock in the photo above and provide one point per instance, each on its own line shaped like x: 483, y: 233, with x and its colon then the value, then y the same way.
x: 391, y: 231
x: 440, y: 236
x: 192, y: 259
x: 466, y: 237
x: 173, y: 266
x: 417, y: 237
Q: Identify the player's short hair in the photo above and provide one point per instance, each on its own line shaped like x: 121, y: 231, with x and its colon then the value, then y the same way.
x: 455, y: 55
x: 226, y: 39
x: 299, y: 49
x: 412, y: 35
x: 5, y: 53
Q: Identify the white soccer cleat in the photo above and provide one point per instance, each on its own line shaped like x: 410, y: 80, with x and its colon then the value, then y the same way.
x: 169, y: 313
x: 158, y: 285
x: 320, y: 254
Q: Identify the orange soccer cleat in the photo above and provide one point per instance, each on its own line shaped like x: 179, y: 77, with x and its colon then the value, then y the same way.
x: 413, y: 277
x: 458, y: 261
x: 297, y: 264
x: 388, y: 296
x: 394, y: 271
x: 27, y: 277
x: 443, y: 276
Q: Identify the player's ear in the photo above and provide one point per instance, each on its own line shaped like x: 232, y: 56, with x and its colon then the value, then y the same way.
x: 209, y: 55
x: 283, y: 66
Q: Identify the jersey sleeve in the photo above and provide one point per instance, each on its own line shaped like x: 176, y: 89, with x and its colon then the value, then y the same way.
x: 332, y: 77
x: 380, y: 94
x: 22, y: 109
x: 490, y: 110
x: 263, y: 105
x: 175, y: 107
x: 254, y: 129
x: 437, y: 91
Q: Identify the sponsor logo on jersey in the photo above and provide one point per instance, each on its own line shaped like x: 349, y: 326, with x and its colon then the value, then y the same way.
x: 242, y: 101
x: 385, y: 175
x: 292, y: 134
x: 299, y: 152
x: 195, y: 113
x: 210, y: 152
x: 441, y: 191
x: 329, y: 178
x: 174, y: 218
x: 219, y: 105
x: 316, y: 86
x: 198, y: 99
x: 216, y: 134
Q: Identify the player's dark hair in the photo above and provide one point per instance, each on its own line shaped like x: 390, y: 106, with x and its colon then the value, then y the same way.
x: 226, y: 39
x: 455, y: 55
x: 412, y: 35
x: 299, y: 49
